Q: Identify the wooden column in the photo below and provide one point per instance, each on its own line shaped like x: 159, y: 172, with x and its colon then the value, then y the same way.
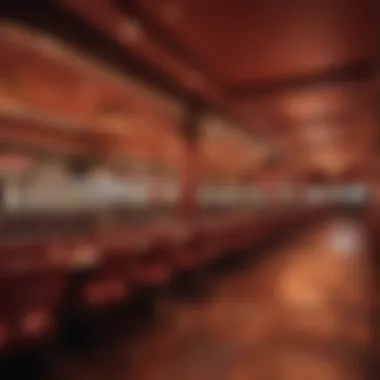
x: 190, y: 130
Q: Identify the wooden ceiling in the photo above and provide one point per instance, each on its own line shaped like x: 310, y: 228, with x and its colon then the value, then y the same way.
x: 283, y: 70
x: 230, y: 46
x: 248, y: 42
x: 79, y: 100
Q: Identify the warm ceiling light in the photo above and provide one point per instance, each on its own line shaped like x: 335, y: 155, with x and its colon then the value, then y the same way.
x: 306, y: 107
x: 302, y: 106
x: 332, y: 162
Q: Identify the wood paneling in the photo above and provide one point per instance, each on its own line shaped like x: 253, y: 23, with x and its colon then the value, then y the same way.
x: 127, y: 31
x: 226, y: 150
x: 247, y: 41
x: 70, y: 93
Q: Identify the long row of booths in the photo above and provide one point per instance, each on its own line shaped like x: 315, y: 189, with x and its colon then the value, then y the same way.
x: 37, y: 273
x: 68, y: 103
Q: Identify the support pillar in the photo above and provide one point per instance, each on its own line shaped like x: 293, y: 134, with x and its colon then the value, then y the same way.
x: 190, y: 130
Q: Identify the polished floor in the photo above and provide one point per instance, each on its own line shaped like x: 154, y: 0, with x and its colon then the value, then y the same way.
x: 301, y: 313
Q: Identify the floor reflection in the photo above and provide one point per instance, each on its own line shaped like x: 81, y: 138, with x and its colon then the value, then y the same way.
x: 302, y: 313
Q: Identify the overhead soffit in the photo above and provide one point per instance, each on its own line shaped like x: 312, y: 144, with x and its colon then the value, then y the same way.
x: 252, y: 45
x: 265, y: 54
x: 246, y: 42
x: 114, y: 102
x: 63, y: 65
x: 230, y: 40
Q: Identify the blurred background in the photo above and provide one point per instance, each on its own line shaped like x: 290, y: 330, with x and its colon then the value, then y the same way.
x: 189, y: 189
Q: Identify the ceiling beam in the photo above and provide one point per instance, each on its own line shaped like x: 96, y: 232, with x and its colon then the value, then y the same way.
x: 168, y: 39
x: 351, y: 72
x: 71, y: 29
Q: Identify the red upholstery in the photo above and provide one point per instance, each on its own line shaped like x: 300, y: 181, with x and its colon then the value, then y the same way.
x: 30, y: 302
x: 33, y: 276
x: 140, y: 256
x: 104, y: 291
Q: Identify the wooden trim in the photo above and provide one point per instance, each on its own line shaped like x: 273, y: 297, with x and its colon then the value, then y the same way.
x: 167, y: 39
x: 353, y: 72
x: 26, y: 132
x: 75, y: 32
x: 190, y: 172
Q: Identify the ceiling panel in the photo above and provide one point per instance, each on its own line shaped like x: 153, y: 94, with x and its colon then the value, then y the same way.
x: 212, y: 47
x: 253, y: 41
x: 70, y: 92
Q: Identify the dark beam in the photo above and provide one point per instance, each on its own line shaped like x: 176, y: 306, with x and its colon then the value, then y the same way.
x: 190, y: 173
x: 47, y: 16
x: 167, y: 39
x: 352, y: 72
x: 24, y: 131
x: 75, y: 32
x: 190, y: 129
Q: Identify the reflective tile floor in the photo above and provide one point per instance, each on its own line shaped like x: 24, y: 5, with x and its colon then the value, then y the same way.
x: 301, y: 313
